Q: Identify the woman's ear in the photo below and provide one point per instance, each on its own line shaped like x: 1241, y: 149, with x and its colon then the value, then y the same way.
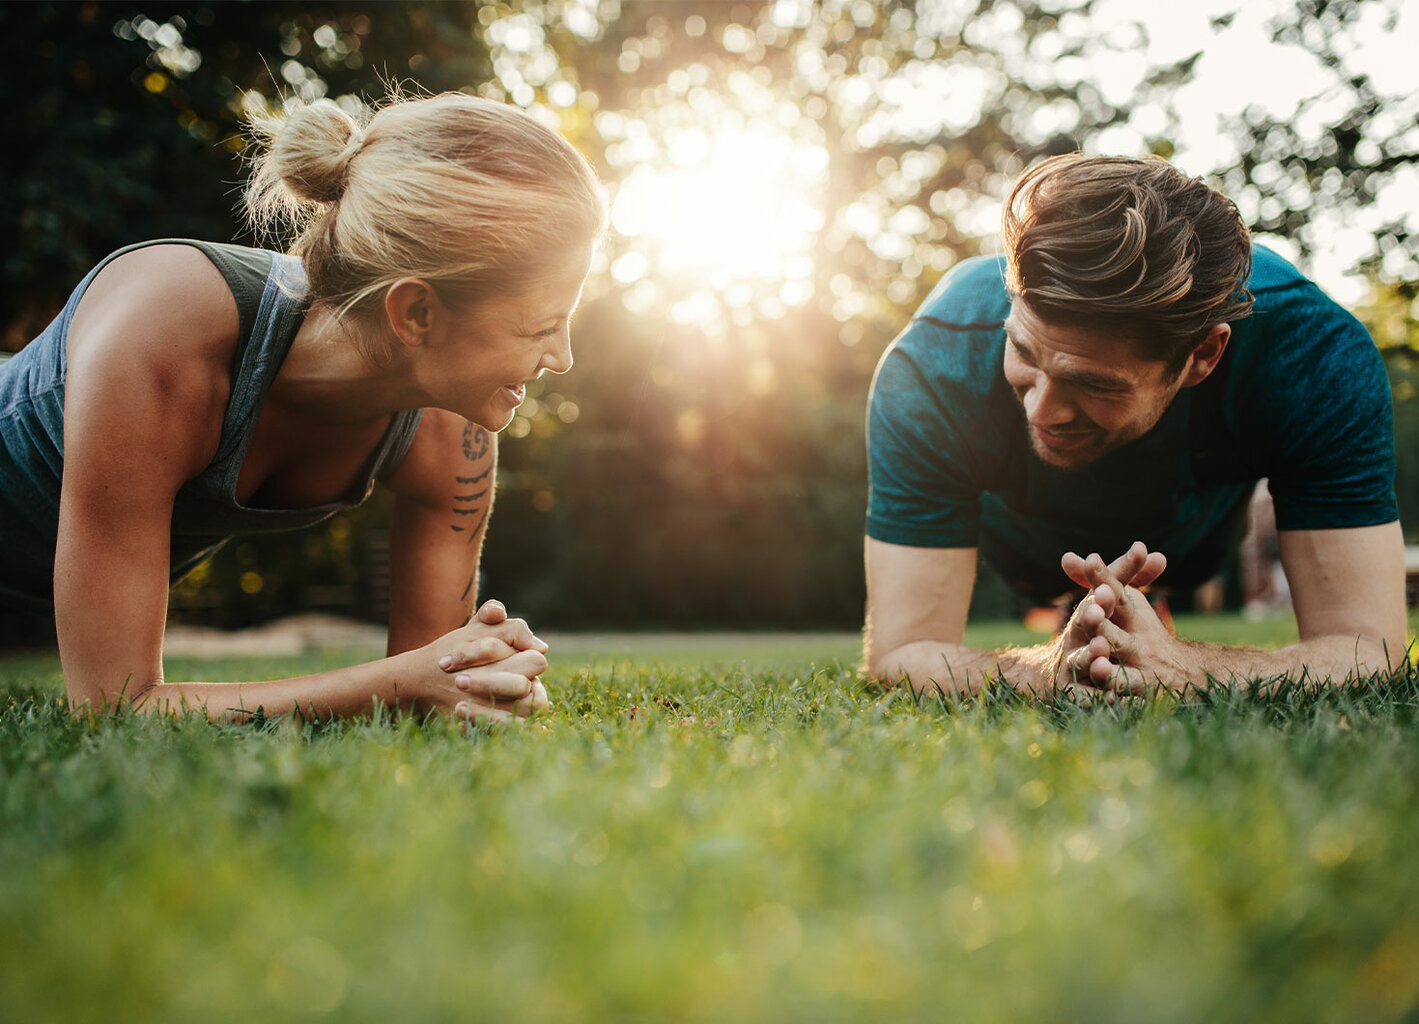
x: 412, y: 306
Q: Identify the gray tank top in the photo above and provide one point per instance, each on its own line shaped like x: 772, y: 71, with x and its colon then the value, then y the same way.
x: 269, y: 290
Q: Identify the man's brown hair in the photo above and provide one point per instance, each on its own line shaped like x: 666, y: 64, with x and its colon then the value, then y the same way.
x: 1127, y: 247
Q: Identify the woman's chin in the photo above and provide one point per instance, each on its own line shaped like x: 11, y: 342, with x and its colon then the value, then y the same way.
x: 494, y: 421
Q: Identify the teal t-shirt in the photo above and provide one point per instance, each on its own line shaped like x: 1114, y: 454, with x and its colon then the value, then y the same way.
x: 1300, y: 397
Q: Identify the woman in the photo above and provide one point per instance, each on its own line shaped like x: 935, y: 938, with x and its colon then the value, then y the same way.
x: 191, y: 391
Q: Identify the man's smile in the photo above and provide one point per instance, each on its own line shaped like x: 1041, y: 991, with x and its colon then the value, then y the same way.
x: 1062, y: 438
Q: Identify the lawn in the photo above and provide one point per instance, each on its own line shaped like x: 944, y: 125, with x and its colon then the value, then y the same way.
x: 717, y: 829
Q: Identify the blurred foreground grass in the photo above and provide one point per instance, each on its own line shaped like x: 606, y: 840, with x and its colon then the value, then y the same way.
x: 726, y: 832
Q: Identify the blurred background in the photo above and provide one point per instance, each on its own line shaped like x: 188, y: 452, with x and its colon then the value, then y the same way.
x: 788, y: 180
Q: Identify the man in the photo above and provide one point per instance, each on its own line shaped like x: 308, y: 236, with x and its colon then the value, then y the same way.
x: 1127, y: 371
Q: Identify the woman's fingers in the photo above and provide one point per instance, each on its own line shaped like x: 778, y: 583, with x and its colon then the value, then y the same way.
x: 514, y: 631
x: 490, y: 613
x: 491, y: 684
x: 520, y: 635
x: 476, y: 713
x: 472, y: 653
x: 513, y: 678
x: 502, y: 640
x: 534, y: 702
x: 500, y: 710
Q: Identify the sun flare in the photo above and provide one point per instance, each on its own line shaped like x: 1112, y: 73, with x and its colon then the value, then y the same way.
x: 731, y: 205
x: 730, y: 214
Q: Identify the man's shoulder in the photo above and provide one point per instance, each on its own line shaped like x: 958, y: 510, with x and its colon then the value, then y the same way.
x: 1271, y: 272
x: 971, y: 297
x: 1293, y: 320
x: 957, y: 333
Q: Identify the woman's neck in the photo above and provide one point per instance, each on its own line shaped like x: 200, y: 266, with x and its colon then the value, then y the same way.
x: 339, y: 369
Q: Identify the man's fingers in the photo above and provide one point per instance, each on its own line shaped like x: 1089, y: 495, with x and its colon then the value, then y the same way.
x: 1075, y: 666
x: 1121, y: 679
x: 1106, y: 601
x: 1101, y: 671
x: 1119, y: 642
x: 1075, y: 569
x: 1101, y: 575
x: 1153, y: 567
x: 1136, y: 567
x: 1126, y: 565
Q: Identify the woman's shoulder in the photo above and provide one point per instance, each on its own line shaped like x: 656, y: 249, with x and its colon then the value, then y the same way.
x: 157, y: 328
x: 162, y: 302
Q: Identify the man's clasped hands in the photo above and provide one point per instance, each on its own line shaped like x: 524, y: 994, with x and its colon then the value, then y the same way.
x: 1114, y: 643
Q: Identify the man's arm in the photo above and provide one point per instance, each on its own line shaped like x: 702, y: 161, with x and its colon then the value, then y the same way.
x: 1347, y: 586
x: 917, y: 601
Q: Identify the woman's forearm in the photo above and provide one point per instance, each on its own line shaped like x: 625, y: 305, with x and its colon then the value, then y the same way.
x: 396, y: 682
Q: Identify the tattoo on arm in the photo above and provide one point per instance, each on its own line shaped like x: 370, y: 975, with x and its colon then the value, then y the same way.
x: 475, y: 442
x: 476, y: 447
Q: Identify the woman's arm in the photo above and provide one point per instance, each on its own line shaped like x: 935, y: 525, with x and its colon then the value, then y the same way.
x: 142, y: 418
x: 443, y: 493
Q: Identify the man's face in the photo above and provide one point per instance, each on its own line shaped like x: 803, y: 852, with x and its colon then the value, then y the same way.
x: 1084, y: 394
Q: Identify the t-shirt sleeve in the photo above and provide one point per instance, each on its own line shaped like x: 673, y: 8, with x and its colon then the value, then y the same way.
x: 919, y: 494
x: 1331, y: 422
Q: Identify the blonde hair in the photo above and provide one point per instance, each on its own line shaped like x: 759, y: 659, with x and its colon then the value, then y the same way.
x: 471, y: 195
x: 1130, y: 247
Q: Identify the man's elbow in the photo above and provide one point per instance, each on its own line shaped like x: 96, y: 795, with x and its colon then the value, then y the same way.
x: 882, y: 666
x: 1390, y: 651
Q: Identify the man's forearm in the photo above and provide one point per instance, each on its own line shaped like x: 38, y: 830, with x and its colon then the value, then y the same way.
x: 1335, y: 659
x: 930, y: 667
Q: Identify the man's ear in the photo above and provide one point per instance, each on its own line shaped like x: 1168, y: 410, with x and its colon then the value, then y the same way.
x: 412, y: 306
x: 1205, y: 357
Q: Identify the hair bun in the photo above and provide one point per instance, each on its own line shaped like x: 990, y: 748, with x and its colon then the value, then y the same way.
x: 311, y: 150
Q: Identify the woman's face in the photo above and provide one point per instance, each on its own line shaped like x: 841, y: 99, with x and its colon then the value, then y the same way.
x: 479, y: 362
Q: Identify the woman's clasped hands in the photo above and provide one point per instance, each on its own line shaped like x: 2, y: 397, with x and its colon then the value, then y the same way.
x: 491, y: 667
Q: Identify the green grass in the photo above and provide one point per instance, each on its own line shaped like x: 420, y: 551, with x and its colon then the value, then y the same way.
x: 761, y: 839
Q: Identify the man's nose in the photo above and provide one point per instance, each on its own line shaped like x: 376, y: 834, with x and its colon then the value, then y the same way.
x: 1046, y: 404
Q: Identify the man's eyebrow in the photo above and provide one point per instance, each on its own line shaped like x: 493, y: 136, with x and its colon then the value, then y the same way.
x: 1100, y: 381
x: 1018, y: 345
x: 1079, y: 378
